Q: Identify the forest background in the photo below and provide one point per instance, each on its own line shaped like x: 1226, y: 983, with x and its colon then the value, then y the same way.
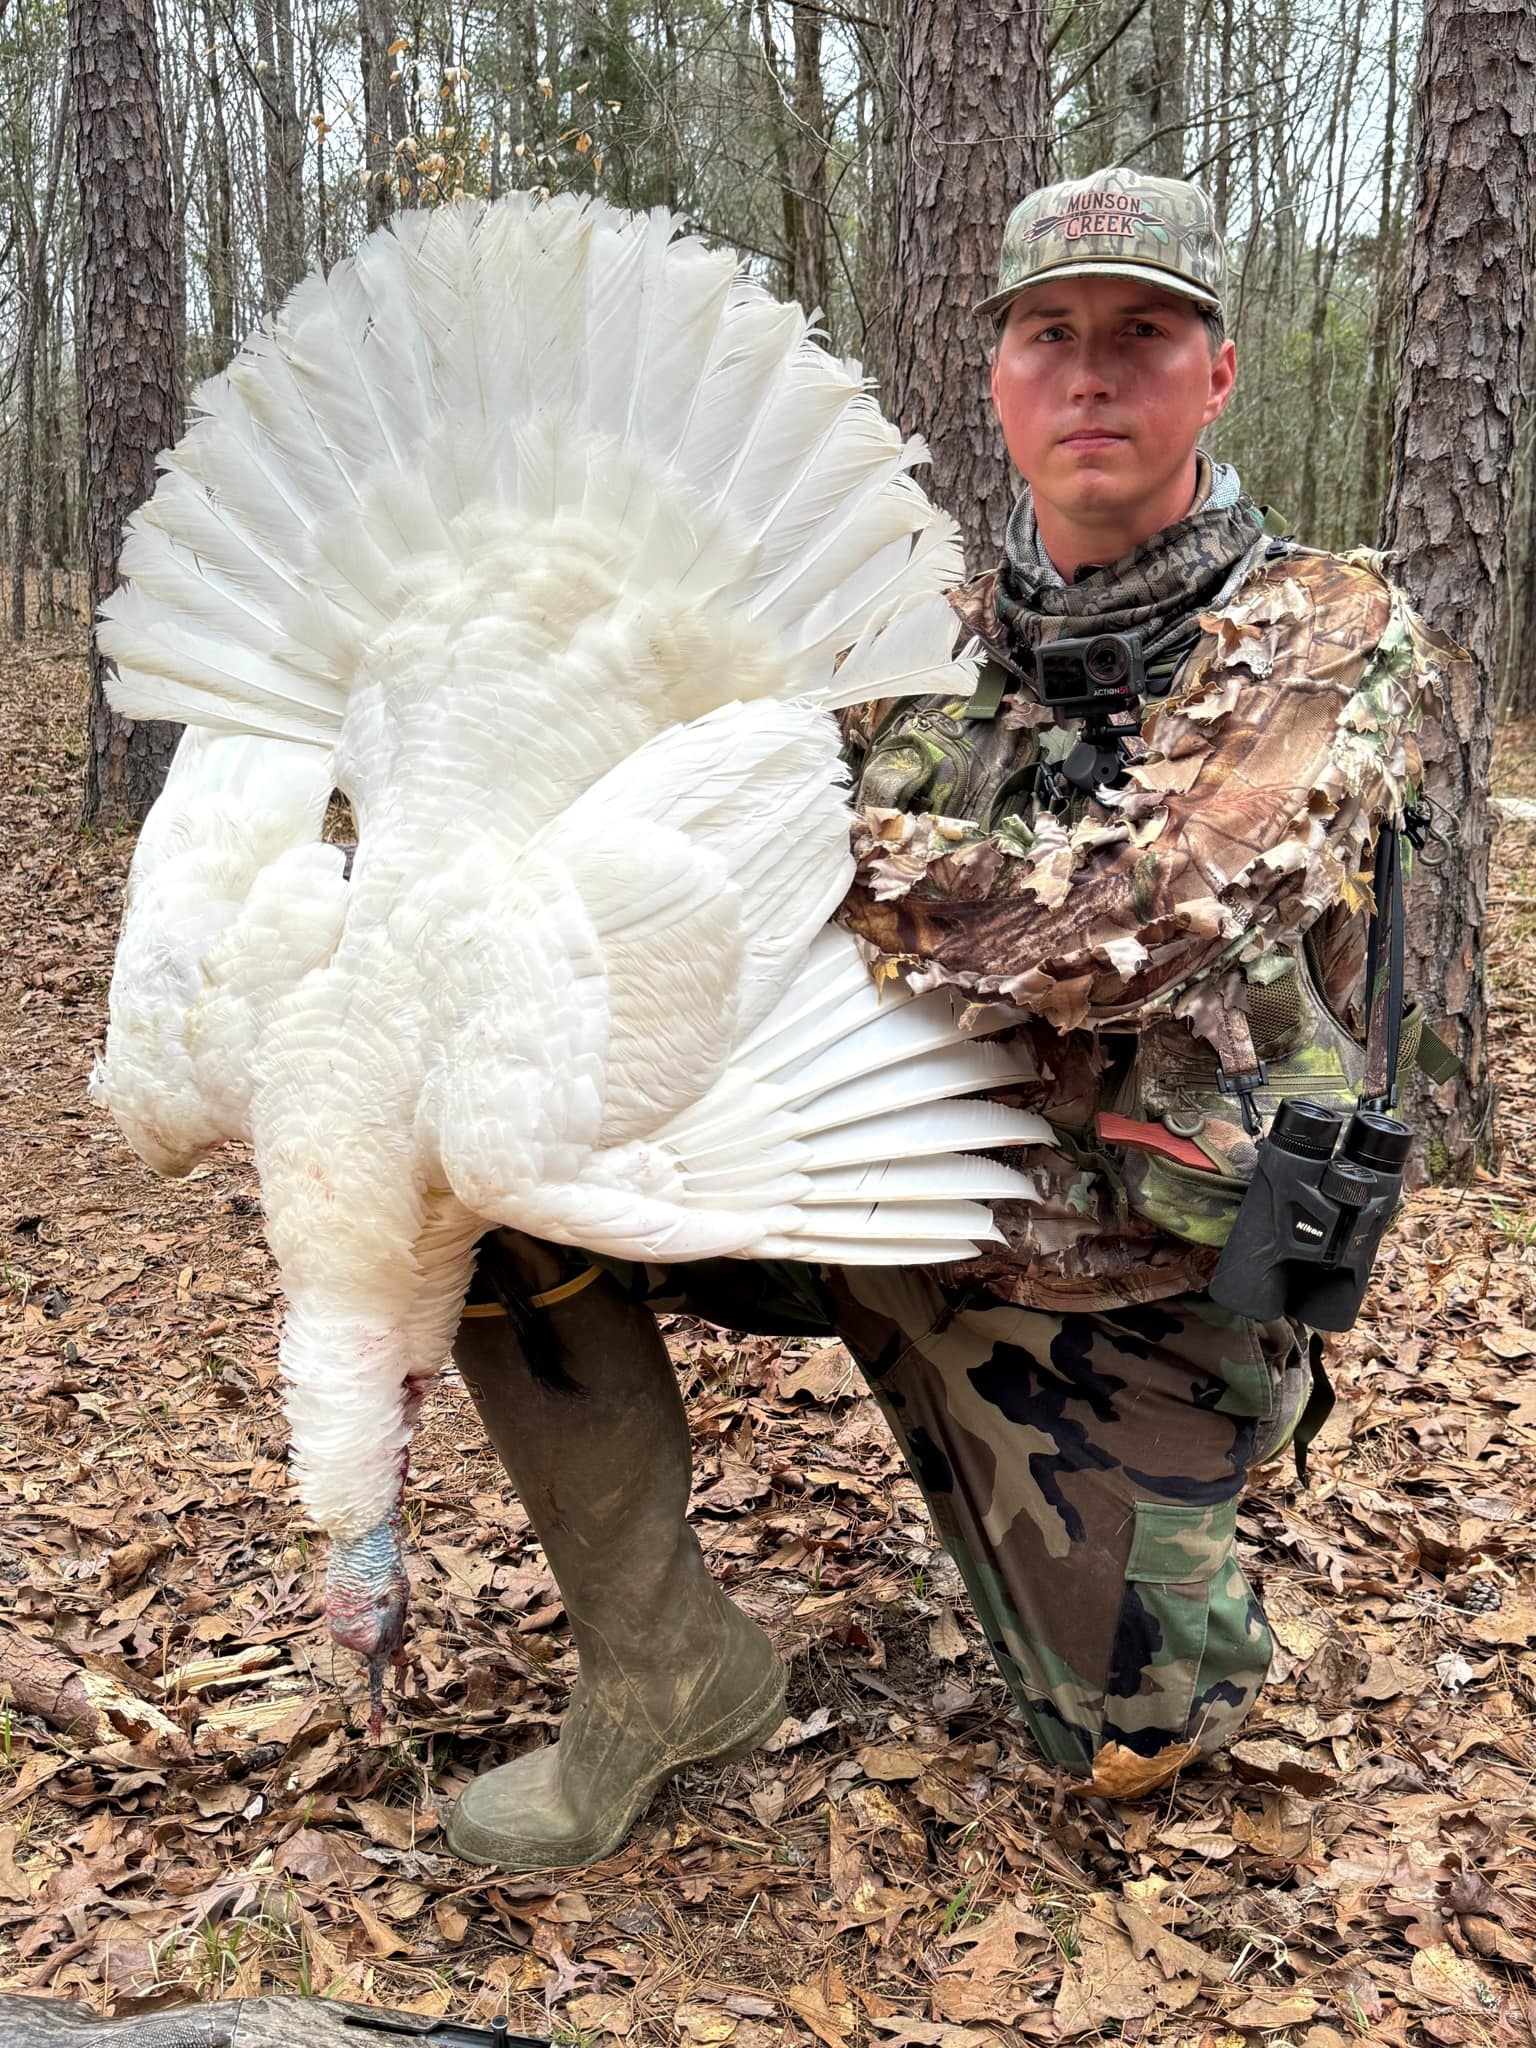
x: 292, y: 126
x: 1367, y: 1865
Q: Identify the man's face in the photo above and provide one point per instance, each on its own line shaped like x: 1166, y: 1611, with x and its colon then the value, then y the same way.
x: 1102, y: 385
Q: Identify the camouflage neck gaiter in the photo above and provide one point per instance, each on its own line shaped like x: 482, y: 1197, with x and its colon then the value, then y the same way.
x: 1154, y: 591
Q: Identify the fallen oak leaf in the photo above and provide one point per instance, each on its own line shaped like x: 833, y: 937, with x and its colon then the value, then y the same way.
x: 993, y: 1942
x: 1276, y: 2008
x: 382, y: 1939
x: 15, y: 1885
x: 1211, y: 1843
x: 393, y: 1827
x: 1176, y: 1957
x: 893, y: 1763
x: 1119, y: 1773
x: 1269, y: 1759
x: 830, y: 2023
x: 37, y: 1770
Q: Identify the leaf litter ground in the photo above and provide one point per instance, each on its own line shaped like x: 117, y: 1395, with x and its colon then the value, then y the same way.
x: 898, y: 1867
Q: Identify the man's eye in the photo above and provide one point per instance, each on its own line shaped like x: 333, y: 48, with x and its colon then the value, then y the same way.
x: 1147, y: 327
x: 1049, y: 333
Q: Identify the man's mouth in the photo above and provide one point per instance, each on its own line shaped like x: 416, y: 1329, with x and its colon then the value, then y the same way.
x: 1087, y: 439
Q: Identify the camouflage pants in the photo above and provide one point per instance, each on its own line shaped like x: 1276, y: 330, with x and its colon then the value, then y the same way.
x: 1082, y: 1469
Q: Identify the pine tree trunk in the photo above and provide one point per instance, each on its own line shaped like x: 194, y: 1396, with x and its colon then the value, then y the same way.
x: 384, y: 114
x: 128, y: 344
x: 975, y: 133
x: 219, y: 202
x: 26, y: 380
x: 812, y: 285
x: 1468, y: 304
x: 282, y: 244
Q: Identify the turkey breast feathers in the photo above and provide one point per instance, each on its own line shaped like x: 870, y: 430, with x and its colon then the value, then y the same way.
x: 553, y: 543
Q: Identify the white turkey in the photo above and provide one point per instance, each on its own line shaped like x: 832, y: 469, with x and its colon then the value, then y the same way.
x: 553, y: 542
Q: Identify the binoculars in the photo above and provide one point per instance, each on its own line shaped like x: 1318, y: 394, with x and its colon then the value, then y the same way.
x: 1306, y: 1234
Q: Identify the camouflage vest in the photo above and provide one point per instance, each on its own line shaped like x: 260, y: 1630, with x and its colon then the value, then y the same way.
x: 1146, y: 1108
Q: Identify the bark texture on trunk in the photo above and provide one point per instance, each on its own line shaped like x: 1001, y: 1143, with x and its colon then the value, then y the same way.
x: 1467, y: 307
x: 975, y: 131
x: 128, y: 344
x: 282, y: 241
x: 26, y: 381
x: 392, y: 177
x: 88, y: 1702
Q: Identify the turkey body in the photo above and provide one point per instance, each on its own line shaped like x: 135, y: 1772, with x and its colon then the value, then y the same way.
x: 553, y: 545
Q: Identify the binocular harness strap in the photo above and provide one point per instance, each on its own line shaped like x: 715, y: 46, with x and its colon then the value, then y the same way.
x: 1384, y: 1017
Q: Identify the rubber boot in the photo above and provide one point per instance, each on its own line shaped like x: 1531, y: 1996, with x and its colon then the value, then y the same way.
x: 671, y: 1672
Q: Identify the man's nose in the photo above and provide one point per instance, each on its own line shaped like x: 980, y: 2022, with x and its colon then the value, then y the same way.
x: 1092, y: 372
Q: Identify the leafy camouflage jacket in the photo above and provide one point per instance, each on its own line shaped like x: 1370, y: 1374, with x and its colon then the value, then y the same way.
x: 1204, y: 918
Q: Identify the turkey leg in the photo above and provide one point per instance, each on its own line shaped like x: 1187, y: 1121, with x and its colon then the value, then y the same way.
x: 672, y: 1672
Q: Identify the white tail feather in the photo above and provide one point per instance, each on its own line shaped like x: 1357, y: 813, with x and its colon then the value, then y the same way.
x: 498, y: 357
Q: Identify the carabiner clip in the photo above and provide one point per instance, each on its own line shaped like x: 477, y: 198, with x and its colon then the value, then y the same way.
x: 1430, y: 830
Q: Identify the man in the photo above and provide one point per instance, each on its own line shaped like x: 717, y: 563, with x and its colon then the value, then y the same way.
x: 1174, y: 946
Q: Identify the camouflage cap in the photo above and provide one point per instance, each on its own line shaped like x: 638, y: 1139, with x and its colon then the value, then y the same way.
x: 1113, y: 223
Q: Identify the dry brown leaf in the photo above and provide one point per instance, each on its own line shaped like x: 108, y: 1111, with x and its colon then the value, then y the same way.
x: 827, y: 1374
x: 1211, y: 1843
x: 1119, y: 1773
x: 468, y: 1572
x: 14, y: 1884
x: 1104, y: 1982
x: 701, y: 2024
x: 848, y: 1870
x: 1267, y: 1757
x: 830, y: 2023
x: 452, y: 1923
x: 767, y: 1801
x: 599, y: 2012
x: 1176, y: 1957
x: 393, y: 1827
x: 946, y: 1640
x: 36, y: 1770
x: 872, y: 1808
x: 1510, y: 1342
x: 1388, y: 1677
x: 1283, y: 1831
x: 1265, y: 2008
x: 894, y: 1762
x: 1513, y: 1622
x: 381, y: 1937
x: 994, y: 1942
x: 1456, y: 1982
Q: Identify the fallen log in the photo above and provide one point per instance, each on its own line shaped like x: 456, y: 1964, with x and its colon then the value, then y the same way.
x: 244, y: 2023
x: 81, y: 1700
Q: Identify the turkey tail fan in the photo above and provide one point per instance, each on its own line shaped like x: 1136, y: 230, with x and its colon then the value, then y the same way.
x: 470, y: 369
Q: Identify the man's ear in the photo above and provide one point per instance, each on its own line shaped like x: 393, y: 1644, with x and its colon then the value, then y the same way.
x: 1223, y: 377
x: 992, y: 379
